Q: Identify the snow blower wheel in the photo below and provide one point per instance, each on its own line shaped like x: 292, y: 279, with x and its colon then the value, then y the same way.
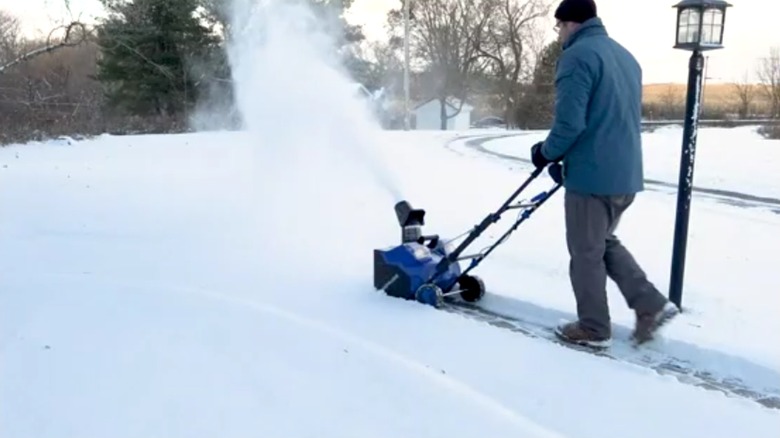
x: 472, y: 288
x: 430, y: 294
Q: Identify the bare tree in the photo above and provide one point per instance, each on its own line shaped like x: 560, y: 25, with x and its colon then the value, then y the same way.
x: 75, y: 34
x: 768, y: 74
x: 506, y: 42
x: 745, y: 92
x: 442, y: 38
x: 46, y: 85
x: 9, y: 37
x: 51, y: 94
x: 387, y: 66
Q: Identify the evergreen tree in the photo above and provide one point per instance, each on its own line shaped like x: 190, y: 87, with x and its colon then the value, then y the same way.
x: 537, y: 106
x: 150, y: 50
x: 347, y: 37
x: 331, y: 12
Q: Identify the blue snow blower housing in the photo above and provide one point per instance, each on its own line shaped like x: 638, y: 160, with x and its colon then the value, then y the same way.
x: 426, y: 269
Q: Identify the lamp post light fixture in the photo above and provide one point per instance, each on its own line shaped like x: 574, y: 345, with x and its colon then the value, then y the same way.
x: 699, y: 28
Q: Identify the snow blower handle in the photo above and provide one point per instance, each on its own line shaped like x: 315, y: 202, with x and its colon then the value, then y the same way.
x: 491, y: 218
x: 403, y: 271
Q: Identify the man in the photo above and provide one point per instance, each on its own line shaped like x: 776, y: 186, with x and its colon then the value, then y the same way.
x: 597, y: 134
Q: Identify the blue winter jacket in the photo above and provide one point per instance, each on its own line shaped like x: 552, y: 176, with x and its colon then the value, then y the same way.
x: 598, y: 111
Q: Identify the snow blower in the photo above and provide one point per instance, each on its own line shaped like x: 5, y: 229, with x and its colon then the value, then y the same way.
x: 427, y: 269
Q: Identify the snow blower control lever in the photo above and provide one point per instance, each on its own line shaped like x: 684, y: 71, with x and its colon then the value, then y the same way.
x: 430, y: 272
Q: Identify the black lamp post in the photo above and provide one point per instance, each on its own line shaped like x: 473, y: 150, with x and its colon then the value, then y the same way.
x: 699, y: 28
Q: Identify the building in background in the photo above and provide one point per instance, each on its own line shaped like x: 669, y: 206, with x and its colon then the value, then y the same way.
x: 427, y: 115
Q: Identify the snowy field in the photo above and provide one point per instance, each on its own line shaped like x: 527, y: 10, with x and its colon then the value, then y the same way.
x: 220, y: 283
x: 214, y: 283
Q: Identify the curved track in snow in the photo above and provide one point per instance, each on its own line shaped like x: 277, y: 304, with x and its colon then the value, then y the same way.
x: 729, y: 197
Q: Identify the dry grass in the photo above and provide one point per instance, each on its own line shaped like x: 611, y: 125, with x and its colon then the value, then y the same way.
x: 722, y: 97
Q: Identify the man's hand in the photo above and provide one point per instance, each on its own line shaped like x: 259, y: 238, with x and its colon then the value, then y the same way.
x: 537, y: 157
x: 556, y: 173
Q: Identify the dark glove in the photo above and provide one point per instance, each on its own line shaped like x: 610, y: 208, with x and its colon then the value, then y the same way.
x: 556, y: 173
x: 536, y: 155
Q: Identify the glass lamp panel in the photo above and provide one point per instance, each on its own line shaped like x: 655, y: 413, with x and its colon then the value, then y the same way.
x: 712, y: 25
x: 688, y: 31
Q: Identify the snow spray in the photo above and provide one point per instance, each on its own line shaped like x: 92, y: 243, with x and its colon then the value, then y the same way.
x: 316, y: 147
x: 294, y: 95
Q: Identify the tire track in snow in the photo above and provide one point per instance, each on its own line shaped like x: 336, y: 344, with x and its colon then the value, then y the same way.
x: 737, y: 199
x: 685, y: 370
x: 448, y: 383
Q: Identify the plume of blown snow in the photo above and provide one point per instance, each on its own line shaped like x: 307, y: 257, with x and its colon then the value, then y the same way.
x: 315, y: 141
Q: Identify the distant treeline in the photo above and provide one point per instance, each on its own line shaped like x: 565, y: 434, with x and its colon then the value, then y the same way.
x: 151, y: 64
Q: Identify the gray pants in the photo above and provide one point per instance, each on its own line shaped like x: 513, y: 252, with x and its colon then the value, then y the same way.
x: 597, y: 254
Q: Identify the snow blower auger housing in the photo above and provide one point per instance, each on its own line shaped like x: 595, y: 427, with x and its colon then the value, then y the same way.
x: 426, y: 269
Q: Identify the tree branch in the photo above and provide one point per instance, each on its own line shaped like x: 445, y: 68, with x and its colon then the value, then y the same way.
x: 68, y: 41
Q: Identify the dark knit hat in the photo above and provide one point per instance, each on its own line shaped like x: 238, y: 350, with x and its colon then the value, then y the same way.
x: 577, y: 11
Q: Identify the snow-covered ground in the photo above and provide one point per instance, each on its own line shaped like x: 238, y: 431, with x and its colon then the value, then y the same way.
x: 220, y: 283
x: 202, y: 284
x: 726, y: 158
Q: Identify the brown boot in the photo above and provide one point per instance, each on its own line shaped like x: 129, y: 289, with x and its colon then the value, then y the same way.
x: 573, y: 333
x: 647, y: 324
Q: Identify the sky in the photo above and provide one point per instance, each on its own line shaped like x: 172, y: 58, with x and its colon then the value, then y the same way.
x: 645, y: 28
